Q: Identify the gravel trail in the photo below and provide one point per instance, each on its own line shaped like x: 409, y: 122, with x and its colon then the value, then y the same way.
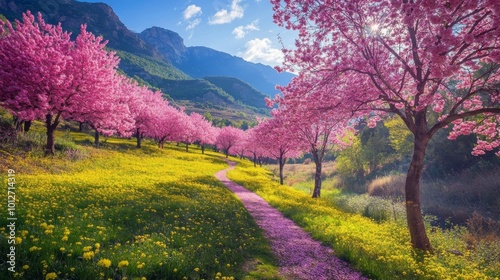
x: 299, y: 256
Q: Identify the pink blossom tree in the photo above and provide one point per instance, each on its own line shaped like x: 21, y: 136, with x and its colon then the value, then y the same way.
x: 253, y: 149
x: 274, y: 136
x: 145, y: 107
x: 227, y: 138
x: 188, y: 131
x: 95, y: 75
x: 205, y: 133
x: 167, y: 125
x: 414, y: 59
x: 47, y: 76
x: 36, y: 78
x: 241, y: 147
x: 319, y: 133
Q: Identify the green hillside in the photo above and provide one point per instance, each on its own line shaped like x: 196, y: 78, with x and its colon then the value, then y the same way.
x: 122, y: 212
x: 240, y: 91
x: 199, y: 95
x: 148, y: 67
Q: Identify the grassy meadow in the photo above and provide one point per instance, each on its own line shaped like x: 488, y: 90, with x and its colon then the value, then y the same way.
x: 124, y: 213
x: 380, y: 247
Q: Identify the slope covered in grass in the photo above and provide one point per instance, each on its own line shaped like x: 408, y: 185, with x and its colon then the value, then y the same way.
x: 382, y: 250
x: 123, y: 212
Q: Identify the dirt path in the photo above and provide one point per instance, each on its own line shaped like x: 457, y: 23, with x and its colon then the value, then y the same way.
x: 300, y: 257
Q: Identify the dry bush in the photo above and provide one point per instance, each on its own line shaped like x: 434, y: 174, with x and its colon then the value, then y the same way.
x: 307, y: 161
x: 388, y: 186
x: 483, y: 237
x: 7, y: 133
x: 482, y: 228
x: 457, y: 197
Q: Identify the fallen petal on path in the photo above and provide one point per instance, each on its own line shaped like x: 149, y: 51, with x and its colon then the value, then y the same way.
x: 300, y: 256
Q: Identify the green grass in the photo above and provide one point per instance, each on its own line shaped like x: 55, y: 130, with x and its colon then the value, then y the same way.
x: 381, y: 249
x: 161, y: 212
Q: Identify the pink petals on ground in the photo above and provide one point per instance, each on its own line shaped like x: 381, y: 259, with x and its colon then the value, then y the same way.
x: 300, y: 256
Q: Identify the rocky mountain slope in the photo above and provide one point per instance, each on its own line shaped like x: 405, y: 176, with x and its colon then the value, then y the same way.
x: 158, y: 58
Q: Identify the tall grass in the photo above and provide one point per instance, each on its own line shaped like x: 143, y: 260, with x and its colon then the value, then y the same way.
x: 126, y: 213
x: 381, y: 249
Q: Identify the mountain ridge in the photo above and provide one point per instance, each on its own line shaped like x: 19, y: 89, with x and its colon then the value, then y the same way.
x: 201, y: 61
x: 158, y: 57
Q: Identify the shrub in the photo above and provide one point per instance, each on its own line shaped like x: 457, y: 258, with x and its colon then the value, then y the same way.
x: 7, y: 133
x: 388, y: 186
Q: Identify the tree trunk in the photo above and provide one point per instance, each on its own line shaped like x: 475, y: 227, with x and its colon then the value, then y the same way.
x: 51, y: 128
x: 187, y: 147
x: 415, y: 220
x: 96, y: 138
x: 18, y: 123
x: 80, y: 127
x: 138, y: 135
x: 254, y: 160
x: 317, y: 177
x: 27, y: 126
x: 202, y: 149
x: 282, y: 164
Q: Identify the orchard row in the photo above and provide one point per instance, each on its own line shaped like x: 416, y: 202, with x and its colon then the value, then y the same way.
x: 47, y: 76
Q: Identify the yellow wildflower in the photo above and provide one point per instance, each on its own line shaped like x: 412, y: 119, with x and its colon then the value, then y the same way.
x: 51, y: 276
x: 123, y: 263
x: 88, y: 255
x: 104, y: 263
x: 26, y: 266
x: 87, y: 248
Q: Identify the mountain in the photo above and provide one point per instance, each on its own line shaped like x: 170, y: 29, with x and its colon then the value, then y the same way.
x: 167, y: 42
x: 158, y: 58
x: 99, y: 17
x: 240, y: 91
x: 200, y: 62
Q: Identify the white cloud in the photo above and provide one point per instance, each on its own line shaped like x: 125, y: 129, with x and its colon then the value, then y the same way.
x: 191, y: 16
x: 191, y: 11
x: 225, y: 16
x: 261, y: 50
x: 240, y: 31
x: 192, y: 24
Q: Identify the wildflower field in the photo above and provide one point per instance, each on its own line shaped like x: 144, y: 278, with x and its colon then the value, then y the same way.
x: 382, y: 250
x: 124, y: 213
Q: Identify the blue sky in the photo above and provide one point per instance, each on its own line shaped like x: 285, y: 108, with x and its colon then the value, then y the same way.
x: 243, y: 28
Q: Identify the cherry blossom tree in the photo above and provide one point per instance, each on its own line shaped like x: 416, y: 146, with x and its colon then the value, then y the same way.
x: 413, y: 58
x: 145, y: 107
x: 205, y: 133
x: 227, y: 138
x: 253, y: 149
x: 275, y: 138
x: 36, y: 79
x: 319, y: 133
x: 47, y: 76
x: 95, y: 75
x: 188, y: 131
x: 167, y: 125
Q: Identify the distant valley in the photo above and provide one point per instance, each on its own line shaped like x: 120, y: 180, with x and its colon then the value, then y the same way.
x: 200, y: 79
